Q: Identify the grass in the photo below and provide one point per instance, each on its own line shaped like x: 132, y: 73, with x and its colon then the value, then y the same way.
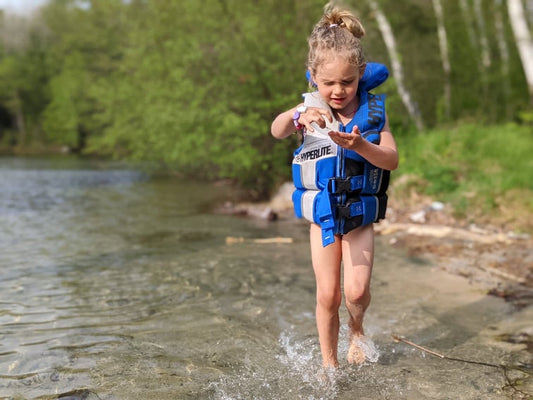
x: 482, y: 171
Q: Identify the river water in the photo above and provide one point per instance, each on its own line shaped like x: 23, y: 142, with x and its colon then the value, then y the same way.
x: 116, y: 284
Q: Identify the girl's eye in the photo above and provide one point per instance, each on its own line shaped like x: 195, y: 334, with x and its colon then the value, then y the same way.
x: 343, y: 83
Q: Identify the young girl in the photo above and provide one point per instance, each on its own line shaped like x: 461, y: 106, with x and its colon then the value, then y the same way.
x: 340, y: 173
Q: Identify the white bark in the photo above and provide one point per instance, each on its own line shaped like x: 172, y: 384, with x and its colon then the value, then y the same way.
x: 500, y: 39
x: 483, y: 40
x: 397, y: 71
x: 443, y: 45
x: 504, y: 54
x: 524, y: 42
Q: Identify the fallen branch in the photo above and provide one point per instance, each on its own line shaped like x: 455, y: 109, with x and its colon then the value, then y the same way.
x: 505, y: 368
x: 416, y: 346
x: 434, y: 353
x: 274, y: 240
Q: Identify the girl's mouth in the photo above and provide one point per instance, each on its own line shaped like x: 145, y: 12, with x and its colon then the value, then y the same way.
x: 337, y: 100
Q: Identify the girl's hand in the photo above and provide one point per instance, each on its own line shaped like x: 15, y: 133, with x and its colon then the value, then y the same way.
x: 350, y: 141
x: 314, y: 114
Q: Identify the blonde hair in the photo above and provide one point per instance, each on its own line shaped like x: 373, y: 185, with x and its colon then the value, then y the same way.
x: 340, y: 32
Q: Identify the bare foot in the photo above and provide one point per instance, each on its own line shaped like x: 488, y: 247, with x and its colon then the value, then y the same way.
x: 356, y: 354
x: 330, y: 363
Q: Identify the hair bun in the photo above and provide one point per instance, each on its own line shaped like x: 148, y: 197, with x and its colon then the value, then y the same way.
x: 343, y: 18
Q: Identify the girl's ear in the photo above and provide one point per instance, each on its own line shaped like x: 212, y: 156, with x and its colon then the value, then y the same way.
x: 362, y: 70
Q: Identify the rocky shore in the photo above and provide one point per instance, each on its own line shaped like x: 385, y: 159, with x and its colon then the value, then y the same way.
x: 491, y: 255
x: 502, y: 262
x: 495, y: 257
x: 488, y: 253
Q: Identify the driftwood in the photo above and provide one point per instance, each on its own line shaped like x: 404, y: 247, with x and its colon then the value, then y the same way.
x: 439, y: 231
x: 273, y: 240
x: 434, y: 353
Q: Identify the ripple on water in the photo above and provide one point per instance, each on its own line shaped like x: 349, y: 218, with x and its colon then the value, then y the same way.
x: 123, y: 289
x: 293, y: 372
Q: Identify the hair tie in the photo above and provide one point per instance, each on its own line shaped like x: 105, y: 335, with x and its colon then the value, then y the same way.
x: 333, y: 25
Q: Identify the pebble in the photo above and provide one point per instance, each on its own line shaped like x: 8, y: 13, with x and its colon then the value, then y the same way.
x: 419, y: 216
x: 437, y: 206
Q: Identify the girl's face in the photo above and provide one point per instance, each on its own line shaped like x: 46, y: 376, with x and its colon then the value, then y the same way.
x: 337, y: 82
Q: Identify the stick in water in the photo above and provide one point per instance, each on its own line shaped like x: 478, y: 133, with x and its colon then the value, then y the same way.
x: 416, y: 346
x: 426, y: 350
x: 274, y: 240
x: 505, y: 368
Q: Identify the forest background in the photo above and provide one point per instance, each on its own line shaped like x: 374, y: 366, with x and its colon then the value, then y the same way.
x: 194, y: 86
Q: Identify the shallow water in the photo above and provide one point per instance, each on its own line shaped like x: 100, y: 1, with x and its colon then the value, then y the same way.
x: 118, y: 285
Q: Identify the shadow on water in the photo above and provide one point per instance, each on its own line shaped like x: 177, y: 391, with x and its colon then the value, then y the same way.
x: 122, y: 287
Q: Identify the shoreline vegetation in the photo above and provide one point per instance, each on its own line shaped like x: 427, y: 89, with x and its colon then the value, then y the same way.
x: 462, y: 196
x: 492, y: 255
x: 481, y: 174
x: 107, y: 81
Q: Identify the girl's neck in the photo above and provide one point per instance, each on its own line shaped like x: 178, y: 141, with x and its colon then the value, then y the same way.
x: 346, y: 115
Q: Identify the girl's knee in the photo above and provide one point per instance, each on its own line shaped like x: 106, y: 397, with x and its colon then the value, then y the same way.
x: 329, y: 301
x: 357, y: 296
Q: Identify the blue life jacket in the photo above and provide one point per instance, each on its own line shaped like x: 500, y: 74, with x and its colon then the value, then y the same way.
x: 335, y: 187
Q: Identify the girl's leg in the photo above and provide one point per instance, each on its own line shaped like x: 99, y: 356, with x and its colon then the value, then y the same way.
x: 326, y: 264
x: 358, y: 258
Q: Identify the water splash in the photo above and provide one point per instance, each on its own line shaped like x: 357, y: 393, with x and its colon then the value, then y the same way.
x: 367, y: 347
x: 295, y: 372
x: 303, y: 360
x: 365, y: 343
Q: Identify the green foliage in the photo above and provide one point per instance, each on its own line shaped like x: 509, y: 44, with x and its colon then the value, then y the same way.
x: 195, y: 85
x: 470, y: 165
x: 62, y: 117
x: 200, y: 103
x: 23, y: 87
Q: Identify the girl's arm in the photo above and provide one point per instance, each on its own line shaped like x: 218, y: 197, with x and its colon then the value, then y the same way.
x: 384, y: 155
x: 283, y: 125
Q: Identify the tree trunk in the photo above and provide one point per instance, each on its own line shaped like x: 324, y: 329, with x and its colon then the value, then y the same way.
x: 397, y: 72
x: 523, y: 39
x: 483, y: 40
x: 467, y: 17
x: 500, y: 38
x: 443, y: 45
x: 504, y: 52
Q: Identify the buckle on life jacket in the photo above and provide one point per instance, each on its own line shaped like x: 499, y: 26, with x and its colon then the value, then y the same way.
x: 369, y: 208
x: 349, y: 210
x: 342, y: 185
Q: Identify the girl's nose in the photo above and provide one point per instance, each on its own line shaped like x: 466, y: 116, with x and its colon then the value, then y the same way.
x: 338, y: 90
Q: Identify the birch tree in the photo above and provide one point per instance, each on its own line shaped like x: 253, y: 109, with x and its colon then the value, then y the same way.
x: 524, y: 42
x: 500, y: 38
x: 502, y: 47
x: 467, y: 17
x: 397, y: 70
x: 482, y: 32
x: 443, y: 46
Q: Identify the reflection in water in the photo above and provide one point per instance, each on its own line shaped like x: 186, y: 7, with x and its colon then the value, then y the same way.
x: 116, y: 285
